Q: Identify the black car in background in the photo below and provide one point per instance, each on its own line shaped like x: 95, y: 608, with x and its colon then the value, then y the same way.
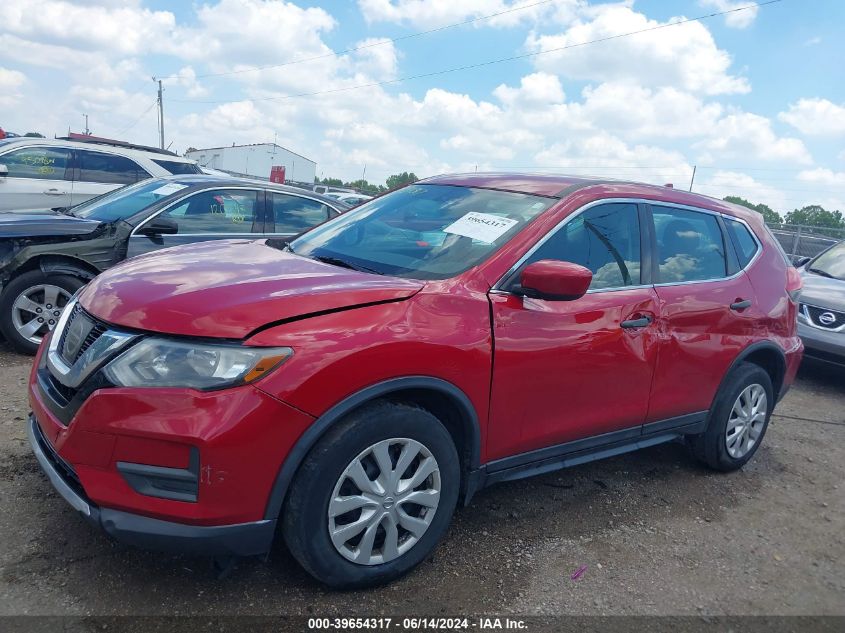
x: 45, y: 256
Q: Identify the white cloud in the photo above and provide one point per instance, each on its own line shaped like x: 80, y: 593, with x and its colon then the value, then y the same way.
x: 377, y: 57
x: 816, y: 117
x: 11, y: 82
x: 813, y: 41
x: 737, y: 19
x: 535, y: 89
x: 721, y: 183
x: 684, y: 56
x: 748, y: 136
x: 426, y: 14
x: 122, y: 28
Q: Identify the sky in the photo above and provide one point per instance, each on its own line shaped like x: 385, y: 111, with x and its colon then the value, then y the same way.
x: 753, y: 99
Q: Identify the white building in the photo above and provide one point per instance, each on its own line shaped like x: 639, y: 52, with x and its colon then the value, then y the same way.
x: 256, y: 160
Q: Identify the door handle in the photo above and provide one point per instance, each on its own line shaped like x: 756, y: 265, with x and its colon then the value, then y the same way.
x: 741, y: 305
x: 53, y: 192
x: 642, y: 321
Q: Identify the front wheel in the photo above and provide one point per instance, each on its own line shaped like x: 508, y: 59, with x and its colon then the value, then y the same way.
x: 737, y: 421
x: 373, y: 497
x: 31, y: 305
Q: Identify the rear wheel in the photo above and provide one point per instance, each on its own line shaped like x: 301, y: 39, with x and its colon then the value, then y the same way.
x: 31, y: 305
x: 373, y: 497
x: 737, y: 421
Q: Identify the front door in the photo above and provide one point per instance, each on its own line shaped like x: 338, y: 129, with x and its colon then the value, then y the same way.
x: 566, y: 370
x: 207, y: 215
x: 38, y: 178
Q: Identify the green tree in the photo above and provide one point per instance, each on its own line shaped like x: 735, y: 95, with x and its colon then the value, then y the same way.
x: 34, y: 135
x: 363, y: 186
x: 816, y: 215
x: 331, y: 182
x: 397, y: 180
x: 770, y: 216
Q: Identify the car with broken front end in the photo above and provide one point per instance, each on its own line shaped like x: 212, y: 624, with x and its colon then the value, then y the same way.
x: 47, y: 255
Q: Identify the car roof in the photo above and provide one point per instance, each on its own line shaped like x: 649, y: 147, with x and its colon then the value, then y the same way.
x: 562, y: 185
x: 200, y: 180
x: 97, y: 147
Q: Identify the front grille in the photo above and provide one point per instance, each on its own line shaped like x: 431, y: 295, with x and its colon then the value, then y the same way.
x: 824, y: 318
x: 67, y: 393
x: 92, y: 328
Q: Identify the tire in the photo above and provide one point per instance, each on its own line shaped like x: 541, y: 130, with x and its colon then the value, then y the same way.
x: 20, y: 286
x: 306, y: 520
x: 715, y: 447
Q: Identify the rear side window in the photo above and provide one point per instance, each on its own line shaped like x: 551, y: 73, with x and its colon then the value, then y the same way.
x: 177, y: 168
x: 744, y: 243
x: 43, y: 163
x: 294, y: 214
x: 605, y: 239
x: 690, y: 245
x: 109, y: 168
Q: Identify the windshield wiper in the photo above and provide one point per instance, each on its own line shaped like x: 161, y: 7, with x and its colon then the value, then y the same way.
x: 336, y: 261
x: 821, y: 272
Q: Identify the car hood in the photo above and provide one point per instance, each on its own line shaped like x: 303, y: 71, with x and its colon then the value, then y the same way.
x: 229, y: 289
x: 823, y: 291
x: 43, y: 224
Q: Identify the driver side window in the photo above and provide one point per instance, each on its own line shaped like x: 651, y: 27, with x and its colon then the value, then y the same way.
x: 604, y: 239
x: 215, y: 212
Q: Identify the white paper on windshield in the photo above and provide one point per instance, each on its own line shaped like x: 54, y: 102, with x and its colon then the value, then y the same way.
x: 166, y: 190
x: 481, y: 226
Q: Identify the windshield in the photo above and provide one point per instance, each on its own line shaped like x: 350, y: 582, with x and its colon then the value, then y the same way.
x: 423, y: 231
x: 126, y: 201
x: 831, y: 263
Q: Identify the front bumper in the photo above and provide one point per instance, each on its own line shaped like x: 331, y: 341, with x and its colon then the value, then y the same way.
x: 823, y: 345
x: 243, y: 539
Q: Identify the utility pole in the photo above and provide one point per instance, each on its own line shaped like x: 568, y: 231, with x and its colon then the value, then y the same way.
x: 364, y: 173
x: 160, y: 114
x: 692, y: 180
x: 87, y: 131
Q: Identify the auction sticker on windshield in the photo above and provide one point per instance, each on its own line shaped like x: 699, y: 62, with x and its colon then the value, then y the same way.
x: 484, y: 227
x: 166, y: 190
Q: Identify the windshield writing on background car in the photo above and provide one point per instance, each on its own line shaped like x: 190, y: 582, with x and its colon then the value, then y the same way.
x: 126, y: 201
x: 423, y: 231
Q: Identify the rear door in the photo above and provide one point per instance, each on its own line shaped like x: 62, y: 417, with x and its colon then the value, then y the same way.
x: 96, y: 173
x: 568, y: 370
x: 290, y: 214
x: 707, y: 310
x: 214, y: 214
x: 38, y: 178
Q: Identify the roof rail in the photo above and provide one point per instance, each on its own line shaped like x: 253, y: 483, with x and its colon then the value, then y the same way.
x: 97, y: 140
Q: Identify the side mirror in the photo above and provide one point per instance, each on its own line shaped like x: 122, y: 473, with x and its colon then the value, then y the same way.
x: 555, y: 280
x: 4, y: 171
x: 798, y: 261
x: 159, y: 226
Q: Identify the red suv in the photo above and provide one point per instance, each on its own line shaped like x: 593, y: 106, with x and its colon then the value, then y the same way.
x: 351, y: 386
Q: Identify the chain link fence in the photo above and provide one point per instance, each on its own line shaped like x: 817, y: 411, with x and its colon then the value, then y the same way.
x: 805, y: 241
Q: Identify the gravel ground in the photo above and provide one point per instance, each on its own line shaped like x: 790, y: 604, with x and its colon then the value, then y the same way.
x: 658, y: 535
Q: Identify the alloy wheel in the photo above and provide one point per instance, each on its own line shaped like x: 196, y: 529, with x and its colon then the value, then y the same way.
x: 384, y: 501
x: 37, y: 310
x: 746, y: 421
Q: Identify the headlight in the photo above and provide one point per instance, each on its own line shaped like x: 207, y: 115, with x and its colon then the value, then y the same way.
x: 156, y: 362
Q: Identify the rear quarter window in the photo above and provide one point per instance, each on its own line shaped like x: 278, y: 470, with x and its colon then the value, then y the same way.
x: 744, y: 243
x: 178, y: 168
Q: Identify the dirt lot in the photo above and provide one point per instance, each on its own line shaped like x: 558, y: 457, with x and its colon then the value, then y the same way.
x: 658, y: 534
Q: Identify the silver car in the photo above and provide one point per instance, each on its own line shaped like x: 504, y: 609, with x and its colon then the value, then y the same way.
x: 821, y: 315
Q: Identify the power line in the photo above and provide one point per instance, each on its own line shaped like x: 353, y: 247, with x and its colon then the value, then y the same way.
x: 493, y: 61
x: 370, y: 45
x: 138, y: 120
